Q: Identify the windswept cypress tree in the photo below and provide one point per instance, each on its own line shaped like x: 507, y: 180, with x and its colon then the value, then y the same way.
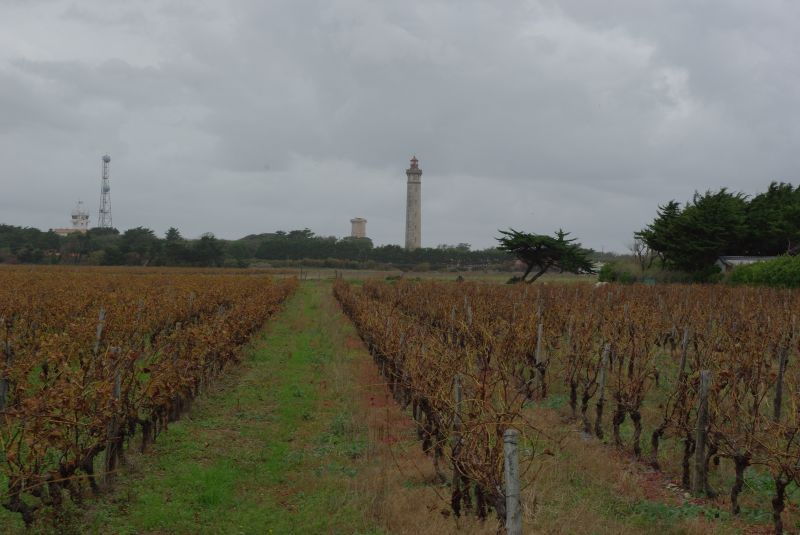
x: 541, y: 253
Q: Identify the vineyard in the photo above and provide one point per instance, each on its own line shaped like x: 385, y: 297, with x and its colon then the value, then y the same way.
x: 91, y: 359
x: 700, y: 382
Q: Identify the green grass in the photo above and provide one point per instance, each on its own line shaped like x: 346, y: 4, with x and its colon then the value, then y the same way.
x: 271, y: 452
x: 669, y: 517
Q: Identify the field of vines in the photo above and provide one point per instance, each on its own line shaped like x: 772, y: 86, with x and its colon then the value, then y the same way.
x: 92, y: 359
x: 700, y: 382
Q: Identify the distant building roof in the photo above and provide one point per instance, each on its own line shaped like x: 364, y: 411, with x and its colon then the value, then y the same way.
x: 727, y: 263
x: 736, y: 260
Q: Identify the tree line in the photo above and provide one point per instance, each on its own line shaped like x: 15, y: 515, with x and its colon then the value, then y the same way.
x: 690, y: 238
x: 141, y: 246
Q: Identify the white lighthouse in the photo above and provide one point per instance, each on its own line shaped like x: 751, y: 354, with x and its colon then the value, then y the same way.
x: 414, y: 206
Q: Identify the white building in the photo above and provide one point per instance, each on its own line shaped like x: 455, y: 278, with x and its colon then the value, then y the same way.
x: 727, y: 263
x: 79, y: 219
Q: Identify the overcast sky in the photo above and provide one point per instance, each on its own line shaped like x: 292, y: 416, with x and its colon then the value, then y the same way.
x: 248, y: 116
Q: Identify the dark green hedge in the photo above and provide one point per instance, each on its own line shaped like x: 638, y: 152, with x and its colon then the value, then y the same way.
x: 783, y: 271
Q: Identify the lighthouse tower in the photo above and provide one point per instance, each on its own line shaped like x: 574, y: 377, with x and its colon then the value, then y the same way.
x: 414, y: 206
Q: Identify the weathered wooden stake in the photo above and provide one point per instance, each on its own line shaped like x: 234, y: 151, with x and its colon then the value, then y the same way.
x: 701, y: 435
x: 684, y: 352
x: 538, y: 366
x: 101, y: 321
x: 6, y: 350
x: 601, y: 389
x: 4, y: 385
x: 778, y: 401
x: 511, y: 462
x: 112, y: 431
x: 457, y: 410
x: 3, y: 393
x: 458, y: 492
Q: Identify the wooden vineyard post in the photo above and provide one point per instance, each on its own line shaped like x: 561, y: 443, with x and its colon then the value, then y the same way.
x: 601, y: 389
x: 538, y: 362
x: 539, y: 330
x: 101, y: 321
x: 456, y: 411
x: 113, y: 430
x: 511, y: 464
x: 175, y: 401
x: 684, y: 352
x: 700, y: 476
x: 4, y: 384
x: 459, y: 493
x: 3, y: 393
x: 776, y: 405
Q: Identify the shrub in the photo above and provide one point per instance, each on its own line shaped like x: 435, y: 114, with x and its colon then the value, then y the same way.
x: 614, y: 272
x: 709, y: 274
x: 783, y: 271
x: 626, y: 277
x: 607, y: 273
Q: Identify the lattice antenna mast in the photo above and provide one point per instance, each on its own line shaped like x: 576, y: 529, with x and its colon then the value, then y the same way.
x: 104, y: 221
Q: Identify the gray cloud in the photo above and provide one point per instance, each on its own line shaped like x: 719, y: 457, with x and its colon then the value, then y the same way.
x: 252, y: 116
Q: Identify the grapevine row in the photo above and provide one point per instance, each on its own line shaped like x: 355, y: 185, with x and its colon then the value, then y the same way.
x: 89, y: 358
x: 619, y: 353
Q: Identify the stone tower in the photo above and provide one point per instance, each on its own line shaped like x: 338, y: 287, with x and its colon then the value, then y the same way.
x: 414, y: 206
x: 358, y: 227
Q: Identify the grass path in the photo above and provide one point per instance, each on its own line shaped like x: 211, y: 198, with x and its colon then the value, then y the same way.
x: 271, y: 451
